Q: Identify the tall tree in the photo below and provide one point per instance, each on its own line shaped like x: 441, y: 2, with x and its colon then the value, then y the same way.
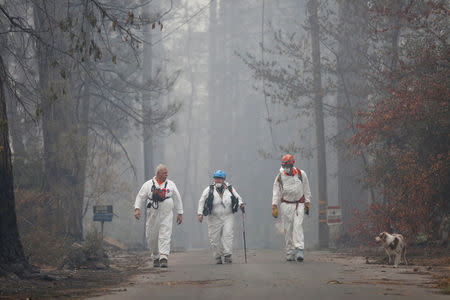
x: 147, y: 132
x: 12, y: 258
x: 64, y: 143
x: 352, y: 91
x: 313, y: 6
x: 189, y: 203
x: 212, y: 79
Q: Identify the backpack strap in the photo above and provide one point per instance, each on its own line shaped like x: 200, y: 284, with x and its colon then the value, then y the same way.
x: 154, y: 186
x: 279, y: 181
x: 299, y: 174
x: 230, y: 188
x: 234, y: 200
x: 207, y: 207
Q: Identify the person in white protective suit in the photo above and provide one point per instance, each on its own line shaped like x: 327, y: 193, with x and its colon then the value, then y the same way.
x: 218, y: 202
x: 291, y: 188
x: 159, y: 196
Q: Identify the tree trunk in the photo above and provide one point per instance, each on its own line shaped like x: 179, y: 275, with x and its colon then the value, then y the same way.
x: 147, y: 76
x: 319, y: 123
x: 16, y: 129
x: 147, y: 131
x: 212, y: 80
x: 187, y: 183
x: 12, y: 258
x: 393, y: 34
x: 17, y: 134
x: 65, y: 139
x: 352, y: 89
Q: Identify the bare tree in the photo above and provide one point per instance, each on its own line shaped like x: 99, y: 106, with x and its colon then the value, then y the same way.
x: 78, y: 92
x: 12, y: 258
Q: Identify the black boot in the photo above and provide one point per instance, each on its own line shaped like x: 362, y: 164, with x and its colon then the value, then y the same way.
x: 300, y: 255
x: 218, y: 261
x: 227, y: 259
x: 156, y: 263
x: 163, y: 262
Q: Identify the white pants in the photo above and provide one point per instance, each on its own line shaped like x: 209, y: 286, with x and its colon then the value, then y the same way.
x: 293, y: 229
x: 220, y: 232
x: 159, y: 229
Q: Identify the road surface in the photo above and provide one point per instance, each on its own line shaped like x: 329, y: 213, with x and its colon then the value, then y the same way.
x: 323, y: 275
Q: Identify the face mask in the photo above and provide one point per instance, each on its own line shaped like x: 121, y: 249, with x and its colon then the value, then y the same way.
x: 288, y: 170
x: 218, y: 185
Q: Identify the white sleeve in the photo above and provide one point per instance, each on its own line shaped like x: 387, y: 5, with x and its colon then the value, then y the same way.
x: 177, y: 203
x: 141, y: 197
x: 276, y: 192
x: 306, y: 189
x: 201, y: 202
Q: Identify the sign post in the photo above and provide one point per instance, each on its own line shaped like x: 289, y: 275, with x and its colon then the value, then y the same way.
x: 103, y: 213
x: 334, y: 215
x: 334, y: 220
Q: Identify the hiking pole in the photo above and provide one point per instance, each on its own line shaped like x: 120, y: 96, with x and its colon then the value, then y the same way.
x: 243, y: 231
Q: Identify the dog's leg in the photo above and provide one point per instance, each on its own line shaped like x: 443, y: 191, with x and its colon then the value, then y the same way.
x: 389, y: 257
x: 397, y: 259
x: 404, y: 255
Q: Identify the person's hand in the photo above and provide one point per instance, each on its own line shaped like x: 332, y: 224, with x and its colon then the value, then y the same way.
x: 200, y: 218
x: 274, y: 211
x: 137, y: 213
x: 307, y: 208
x: 179, y: 219
x: 242, y: 207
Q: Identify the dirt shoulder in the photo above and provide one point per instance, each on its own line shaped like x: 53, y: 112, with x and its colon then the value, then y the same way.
x: 432, y: 263
x: 79, y: 283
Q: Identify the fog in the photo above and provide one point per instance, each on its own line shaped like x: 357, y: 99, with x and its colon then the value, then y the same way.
x: 96, y: 94
x: 223, y: 123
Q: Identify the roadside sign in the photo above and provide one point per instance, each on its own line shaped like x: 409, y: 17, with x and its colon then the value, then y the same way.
x: 103, y: 209
x: 103, y: 213
x: 334, y: 215
x: 103, y: 217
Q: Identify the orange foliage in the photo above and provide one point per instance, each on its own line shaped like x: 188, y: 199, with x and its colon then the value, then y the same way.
x: 407, y: 136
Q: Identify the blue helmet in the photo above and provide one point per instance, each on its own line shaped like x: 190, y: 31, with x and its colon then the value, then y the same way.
x: 219, y: 174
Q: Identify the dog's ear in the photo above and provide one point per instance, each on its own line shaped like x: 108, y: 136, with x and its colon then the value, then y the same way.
x: 394, y: 243
x: 383, y: 236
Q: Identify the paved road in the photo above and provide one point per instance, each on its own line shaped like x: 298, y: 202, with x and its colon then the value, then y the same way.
x: 323, y: 275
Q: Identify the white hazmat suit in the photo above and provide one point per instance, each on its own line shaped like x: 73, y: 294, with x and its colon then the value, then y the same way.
x: 159, y: 221
x: 220, y: 220
x: 289, y: 193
